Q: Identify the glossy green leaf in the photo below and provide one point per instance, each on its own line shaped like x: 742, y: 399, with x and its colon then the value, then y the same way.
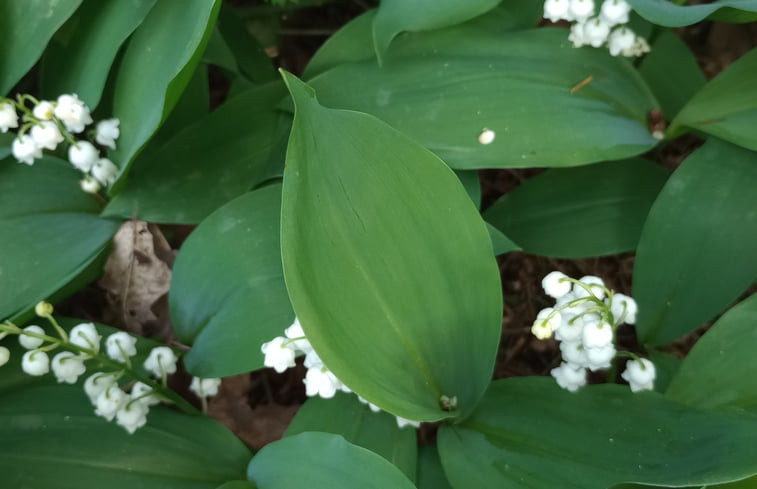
x: 666, y: 367
x: 322, y: 461
x: 395, y: 16
x: 669, y: 14
x: 378, y: 432
x: 696, y: 252
x: 51, y: 231
x: 218, y: 53
x: 156, y: 67
x: 44, y: 439
x: 80, y: 55
x: 443, y: 88
x: 25, y: 29
x: 209, y: 163
x: 718, y: 370
x: 387, y: 262
x: 580, y: 212
x: 530, y: 433
x: 727, y: 106
x: 749, y: 483
x: 672, y: 72
x: 501, y: 243
x: 249, y: 55
x: 430, y: 472
x: 238, y: 485
x: 227, y: 290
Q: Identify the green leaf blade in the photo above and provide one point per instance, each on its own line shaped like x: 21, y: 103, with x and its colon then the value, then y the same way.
x: 379, y: 269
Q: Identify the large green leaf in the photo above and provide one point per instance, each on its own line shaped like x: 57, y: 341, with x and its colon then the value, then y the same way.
x: 322, y: 461
x: 672, y: 72
x: 388, y: 264
x: 443, y: 88
x: 727, y: 106
x: 529, y: 433
x: 52, y: 438
x: 51, y: 231
x: 669, y: 14
x: 718, y: 370
x: 80, y: 55
x: 25, y: 29
x: 580, y: 212
x: 227, y: 290
x: 156, y: 67
x: 214, y: 160
x: 395, y: 16
x: 430, y: 472
x: 378, y: 432
x: 696, y: 252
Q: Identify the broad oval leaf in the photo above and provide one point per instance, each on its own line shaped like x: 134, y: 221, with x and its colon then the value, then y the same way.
x: 50, y: 238
x: 208, y: 163
x: 719, y: 369
x: 156, y: 67
x: 227, y: 289
x: 667, y: 13
x: 528, y: 433
x: 346, y: 416
x: 322, y: 461
x: 25, y: 29
x: 696, y: 252
x: 388, y: 264
x: 395, y: 16
x: 63, y: 444
x: 80, y: 55
x: 727, y: 106
x: 443, y: 88
x: 580, y: 212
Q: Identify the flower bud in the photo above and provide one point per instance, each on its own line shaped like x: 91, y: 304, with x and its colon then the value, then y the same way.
x: 5, y: 355
x: 43, y: 309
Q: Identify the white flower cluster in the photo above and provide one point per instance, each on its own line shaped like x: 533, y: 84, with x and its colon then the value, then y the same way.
x: 49, y: 123
x: 583, y: 320
x: 109, y: 399
x: 281, y: 351
x: 592, y: 29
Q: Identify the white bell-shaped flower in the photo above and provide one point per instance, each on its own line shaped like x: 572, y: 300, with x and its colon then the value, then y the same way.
x: 640, y: 46
x: 279, y: 354
x: 47, y: 135
x: 120, y: 346
x: 402, y: 423
x: 321, y: 382
x: 614, y: 12
x: 107, y: 131
x: 620, y: 40
x: 297, y: 335
x: 556, y: 10
x: 370, y: 405
x: 547, y: 321
x: 67, y: 367
x: 569, y: 377
x: 72, y: 112
x: 597, y: 334
x: 35, y: 363
x: 110, y: 401
x: 577, y: 36
x: 580, y: 10
x: 624, y: 309
x: 89, y: 185
x: 556, y: 285
x: 104, y: 171
x: 600, y: 358
x: 486, y: 137
x: 83, y: 155
x: 205, y: 387
x: 85, y: 335
x: 30, y: 342
x: 5, y: 355
x: 595, y: 284
x: 96, y: 384
x: 570, y: 331
x: 640, y: 374
x: 573, y: 353
x: 25, y: 149
x: 8, y: 117
x: 596, y: 32
x: 161, y: 361
x: 132, y: 415
x: 44, y: 110
x: 144, y: 393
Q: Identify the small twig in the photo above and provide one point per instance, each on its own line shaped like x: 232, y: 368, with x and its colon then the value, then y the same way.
x: 582, y: 84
